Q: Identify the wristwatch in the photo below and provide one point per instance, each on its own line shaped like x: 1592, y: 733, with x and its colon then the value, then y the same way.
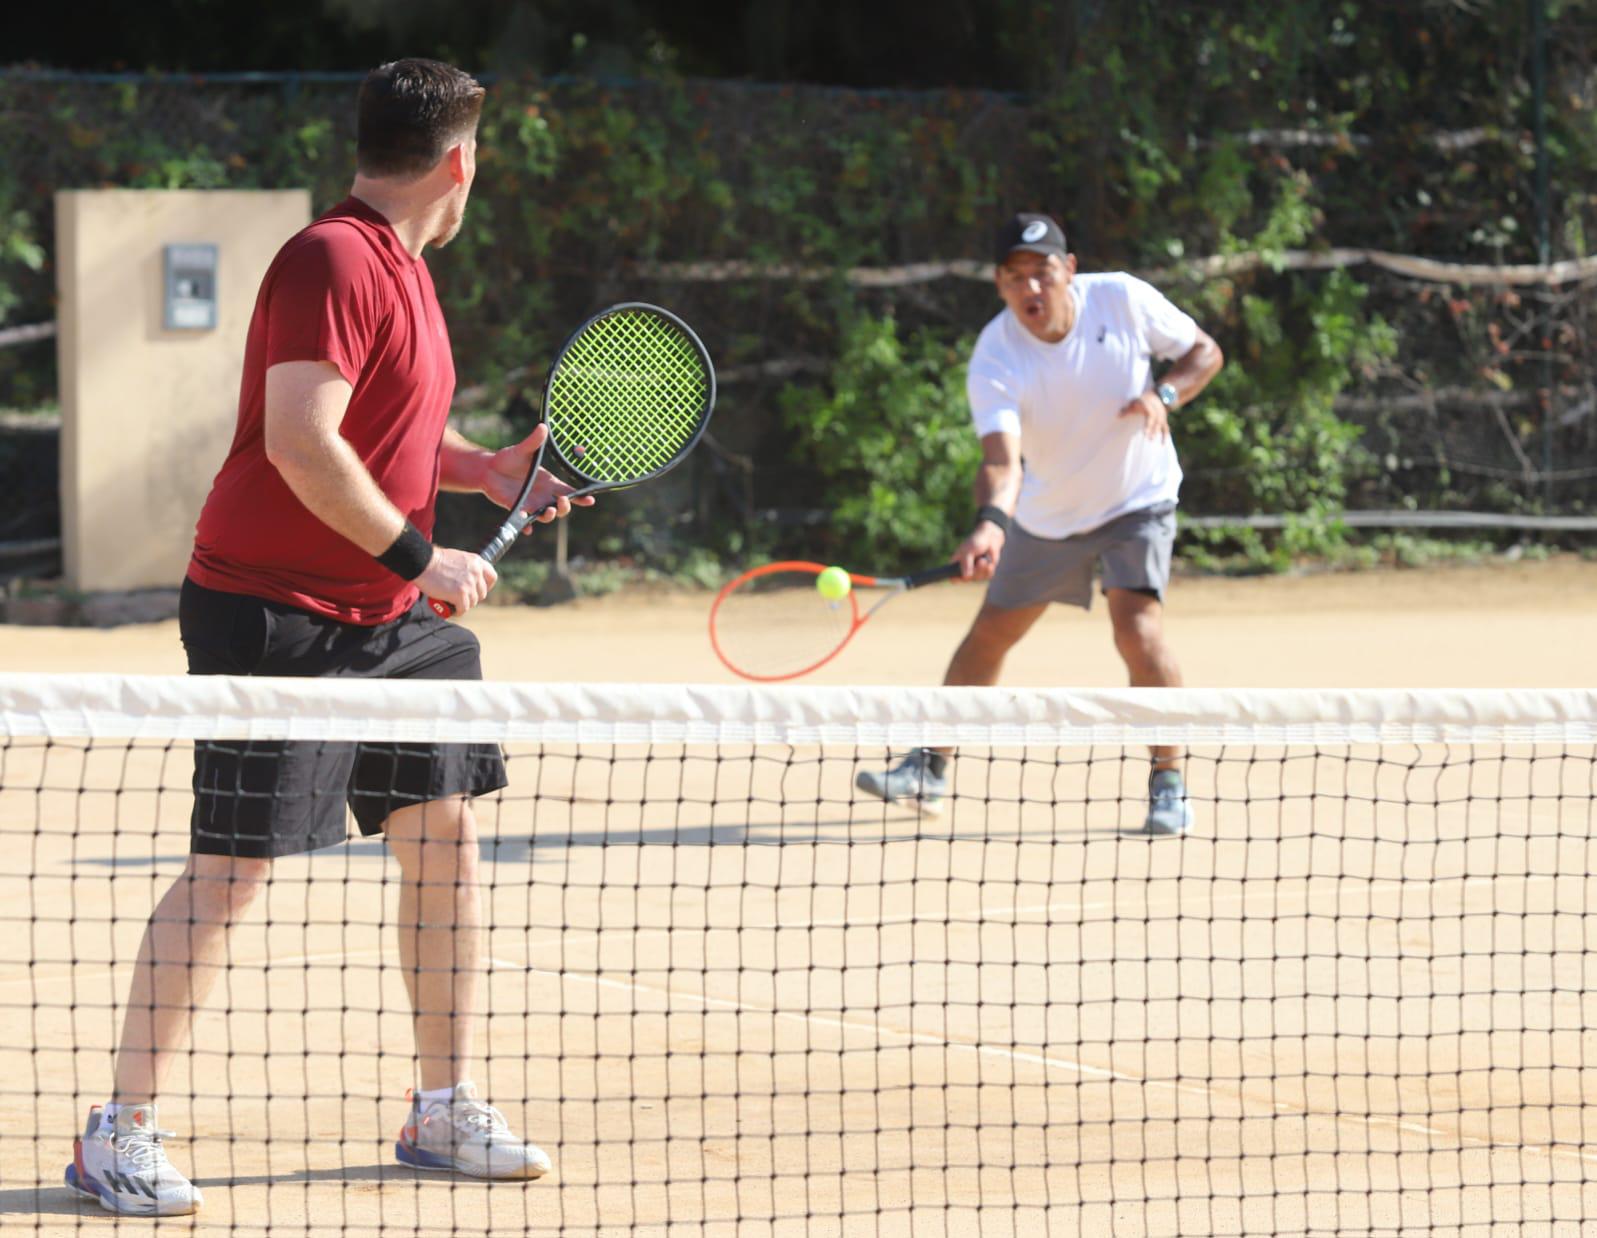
x: 1168, y: 396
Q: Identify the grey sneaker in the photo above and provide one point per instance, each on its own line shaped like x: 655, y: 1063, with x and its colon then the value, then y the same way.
x: 121, y: 1165
x: 469, y: 1136
x: 1169, y: 809
x: 921, y: 777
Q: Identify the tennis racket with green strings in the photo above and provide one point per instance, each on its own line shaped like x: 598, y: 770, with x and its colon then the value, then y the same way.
x: 627, y: 398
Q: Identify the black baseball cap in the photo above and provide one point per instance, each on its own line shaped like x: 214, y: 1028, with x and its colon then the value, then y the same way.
x: 1033, y: 234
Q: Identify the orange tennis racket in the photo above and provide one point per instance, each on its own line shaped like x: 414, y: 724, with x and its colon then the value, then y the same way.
x: 774, y: 623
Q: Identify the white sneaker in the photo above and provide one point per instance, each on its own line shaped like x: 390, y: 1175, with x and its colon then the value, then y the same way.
x: 1169, y: 809
x: 922, y: 778
x: 122, y: 1165
x: 469, y: 1136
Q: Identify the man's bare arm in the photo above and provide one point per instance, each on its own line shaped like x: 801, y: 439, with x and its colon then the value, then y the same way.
x: 463, y: 464
x: 998, y: 479
x: 305, y: 406
x: 1195, y: 368
x: 997, y: 485
x: 1188, y: 376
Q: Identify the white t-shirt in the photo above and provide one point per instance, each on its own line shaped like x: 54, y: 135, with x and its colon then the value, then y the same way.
x: 1083, y: 464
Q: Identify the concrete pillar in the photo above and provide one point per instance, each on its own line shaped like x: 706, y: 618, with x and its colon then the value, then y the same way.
x: 147, y: 411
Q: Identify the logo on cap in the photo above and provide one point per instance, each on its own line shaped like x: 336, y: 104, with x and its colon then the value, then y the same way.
x: 1035, y: 231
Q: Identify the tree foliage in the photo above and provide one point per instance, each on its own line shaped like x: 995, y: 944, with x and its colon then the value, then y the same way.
x: 891, y: 432
x: 1159, y: 133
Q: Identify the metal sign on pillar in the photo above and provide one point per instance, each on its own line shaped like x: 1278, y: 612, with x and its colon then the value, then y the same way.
x: 190, y: 300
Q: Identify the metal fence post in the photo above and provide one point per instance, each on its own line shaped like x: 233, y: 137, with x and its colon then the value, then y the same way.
x: 1544, y: 238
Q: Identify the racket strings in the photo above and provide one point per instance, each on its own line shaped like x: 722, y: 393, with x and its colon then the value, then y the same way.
x: 628, y: 396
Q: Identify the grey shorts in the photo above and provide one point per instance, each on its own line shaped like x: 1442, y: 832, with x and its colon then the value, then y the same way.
x: 1132, y: 552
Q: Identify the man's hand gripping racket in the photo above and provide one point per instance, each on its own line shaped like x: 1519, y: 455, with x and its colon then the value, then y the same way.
x: 627, y: 398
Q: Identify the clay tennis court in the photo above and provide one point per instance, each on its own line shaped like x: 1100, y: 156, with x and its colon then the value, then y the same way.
x: 725, y: 990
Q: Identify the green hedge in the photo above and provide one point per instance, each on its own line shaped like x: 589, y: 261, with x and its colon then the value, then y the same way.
x: 1152, y: 140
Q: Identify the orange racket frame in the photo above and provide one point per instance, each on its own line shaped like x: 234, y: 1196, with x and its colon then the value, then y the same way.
x: 894, y: 584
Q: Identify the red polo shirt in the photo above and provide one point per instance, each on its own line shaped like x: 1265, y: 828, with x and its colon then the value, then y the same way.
x: 343, y: 290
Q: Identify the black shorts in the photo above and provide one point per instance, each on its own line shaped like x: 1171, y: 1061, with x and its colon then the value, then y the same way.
x: 272, y: 798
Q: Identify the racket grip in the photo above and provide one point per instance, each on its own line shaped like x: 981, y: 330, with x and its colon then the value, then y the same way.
x: 509, y: 532
x: 943, y: 571
x: 502, y: 541
x: 442, y: 609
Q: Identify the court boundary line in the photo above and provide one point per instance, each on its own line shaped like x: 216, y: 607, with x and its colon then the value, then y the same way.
x: 1081, y: 1069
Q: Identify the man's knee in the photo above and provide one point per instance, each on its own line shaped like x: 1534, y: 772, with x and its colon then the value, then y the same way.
x: 436, y: 821
x: 221, y: 887
x: 996, y: 631
x: 1138, y: 622
x: 1140, y: 631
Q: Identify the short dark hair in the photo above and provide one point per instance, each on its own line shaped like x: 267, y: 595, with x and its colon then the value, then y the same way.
x: 410, y: 113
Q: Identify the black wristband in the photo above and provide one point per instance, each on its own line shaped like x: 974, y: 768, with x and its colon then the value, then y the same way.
x: 992, y: 515
x: 410, y: 554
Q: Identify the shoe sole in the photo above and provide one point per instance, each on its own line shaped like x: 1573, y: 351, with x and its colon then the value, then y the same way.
x: 415, y: 1158
x: 926, y: 808
x: 113, y: 1203
x: 1149, y: 830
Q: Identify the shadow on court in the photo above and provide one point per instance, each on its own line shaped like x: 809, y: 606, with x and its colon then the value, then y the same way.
x: 840, y: 833
x: 174, y: 861
x: 384, y: 1174
x: 533, y: 848
x: 50, y: 1199
x: 54, y: 1199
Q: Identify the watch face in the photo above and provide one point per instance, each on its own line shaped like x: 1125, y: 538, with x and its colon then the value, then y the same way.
x: 1167, y: 395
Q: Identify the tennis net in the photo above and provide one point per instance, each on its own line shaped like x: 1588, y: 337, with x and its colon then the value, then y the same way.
x: 729, y: 993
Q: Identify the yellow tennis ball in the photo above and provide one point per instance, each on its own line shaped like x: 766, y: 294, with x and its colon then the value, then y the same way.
x: 833, y: 584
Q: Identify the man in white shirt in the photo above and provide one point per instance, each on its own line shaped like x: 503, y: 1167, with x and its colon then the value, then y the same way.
x: 1078, y: 470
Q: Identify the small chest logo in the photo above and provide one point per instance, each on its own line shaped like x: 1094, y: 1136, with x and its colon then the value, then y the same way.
x: 1034, y: 232
x: 1103, y: 331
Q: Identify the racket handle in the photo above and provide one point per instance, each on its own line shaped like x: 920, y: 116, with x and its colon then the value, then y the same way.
x: 509, y: 532
x: 502, y: 541
x: 943, y: 571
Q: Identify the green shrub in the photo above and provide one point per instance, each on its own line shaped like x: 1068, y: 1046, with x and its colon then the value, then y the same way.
x: 891, y: 434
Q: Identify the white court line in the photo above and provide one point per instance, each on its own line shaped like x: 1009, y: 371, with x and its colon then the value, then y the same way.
x: 1380, y: 886
x: 877, y: 1031
x: 1061, y: 1063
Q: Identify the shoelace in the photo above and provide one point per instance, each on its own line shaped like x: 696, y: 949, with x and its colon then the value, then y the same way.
x: 476, y: 1115
x: 142, y: 1148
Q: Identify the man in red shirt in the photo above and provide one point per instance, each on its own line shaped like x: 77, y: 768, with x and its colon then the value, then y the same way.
x: 312, y: 557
